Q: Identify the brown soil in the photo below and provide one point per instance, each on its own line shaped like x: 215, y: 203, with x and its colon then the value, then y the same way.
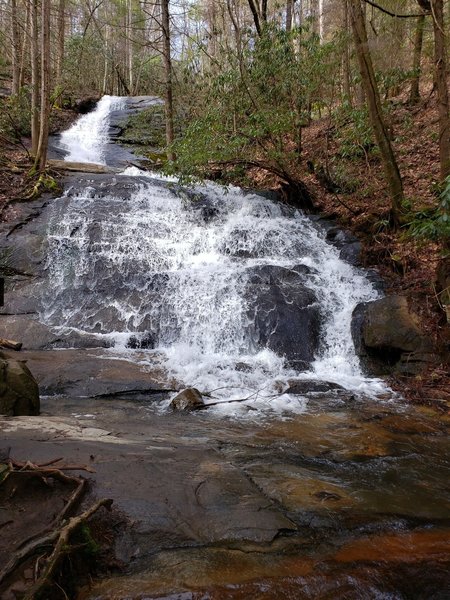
x: 15, y: 164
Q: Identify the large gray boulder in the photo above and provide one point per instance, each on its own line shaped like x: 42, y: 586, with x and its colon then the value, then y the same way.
x: 388, y: 339
x: 19, y: 392
x: 284, y: 313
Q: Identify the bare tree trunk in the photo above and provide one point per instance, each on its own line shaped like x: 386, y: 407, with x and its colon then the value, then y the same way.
x: 320, y: 20
x: 440, y: 58
x: 106, y: 62
x: 41, y: 154
x: 236, y: 29
x: 264, y: 10
x: 34, y: 78
x: 289, y: 14
x: 346, y: 58
x: 61, y: 37
x: 369, y: 83
x: 168, y: 96
x: 211, y: 18
x: 414, y: 94
x: 360, y: 93
x: 129, y: 30
x: 254, y: 7
x: 25, y: 44
x: 15, y: 48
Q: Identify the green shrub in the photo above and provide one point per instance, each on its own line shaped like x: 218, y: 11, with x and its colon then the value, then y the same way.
x: 15, y: 115
x: 433, y: 223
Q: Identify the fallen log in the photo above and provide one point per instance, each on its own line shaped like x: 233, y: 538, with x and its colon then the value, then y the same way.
x: 10, y: 344
x: 63, y: 165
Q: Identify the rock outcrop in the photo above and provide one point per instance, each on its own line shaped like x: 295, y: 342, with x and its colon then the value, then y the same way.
x: 388, y: 339
x: 19, y: 392
x: 285, y: 313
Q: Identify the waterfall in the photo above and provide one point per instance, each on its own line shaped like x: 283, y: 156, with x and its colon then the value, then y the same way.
x: 85, y: 141
x: 170, y: 267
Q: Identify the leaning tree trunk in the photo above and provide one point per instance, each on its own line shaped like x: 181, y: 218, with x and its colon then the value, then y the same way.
x: 41, y: 154
x: 370, y: 86
x: 168, y: 95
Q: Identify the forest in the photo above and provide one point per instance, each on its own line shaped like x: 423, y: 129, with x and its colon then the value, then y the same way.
x: 224, y: 299
x: 341, y: 105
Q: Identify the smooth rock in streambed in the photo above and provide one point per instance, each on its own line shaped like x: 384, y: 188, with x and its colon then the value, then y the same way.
x: 19, y: 392
x: 187, y: 400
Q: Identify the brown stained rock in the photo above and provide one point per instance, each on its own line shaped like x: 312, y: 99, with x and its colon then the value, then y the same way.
x: 390, y: 324
x: 187, y: 400
x: 412, y: 546
x: 297, y: 491
x: 19, y: 392
x: 388, y: 339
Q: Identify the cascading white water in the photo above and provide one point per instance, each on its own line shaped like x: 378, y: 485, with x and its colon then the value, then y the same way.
x: 85, y: 141
x: 148, y: 264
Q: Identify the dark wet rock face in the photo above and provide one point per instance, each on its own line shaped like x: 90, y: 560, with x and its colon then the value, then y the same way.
x: 349, y: 245
x: 285, y: 313
x: 387, y: 338
x: 19, y: 392
x: 305, y: 386
x: 144, y: 342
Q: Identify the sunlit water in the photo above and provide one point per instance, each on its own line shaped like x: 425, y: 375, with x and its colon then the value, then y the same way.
x: 150, y: 265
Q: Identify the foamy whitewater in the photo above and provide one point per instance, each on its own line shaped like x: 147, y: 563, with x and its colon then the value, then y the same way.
x: 124, y: 267
x: 85, y: 141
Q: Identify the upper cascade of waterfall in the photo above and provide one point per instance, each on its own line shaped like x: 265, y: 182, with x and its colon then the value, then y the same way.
x: 86, y: 140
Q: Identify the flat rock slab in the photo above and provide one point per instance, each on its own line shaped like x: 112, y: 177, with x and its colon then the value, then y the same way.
x: 34, y: 335
x: 183, y: 493
x: 89, y: 373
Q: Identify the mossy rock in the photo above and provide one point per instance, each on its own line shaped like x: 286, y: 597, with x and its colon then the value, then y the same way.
x: 19, y: 392
x: 146, y: 128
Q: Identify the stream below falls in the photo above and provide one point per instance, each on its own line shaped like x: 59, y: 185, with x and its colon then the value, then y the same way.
x: 304, y: 478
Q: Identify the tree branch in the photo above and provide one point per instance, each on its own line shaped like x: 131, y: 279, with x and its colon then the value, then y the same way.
x: 396, y: 15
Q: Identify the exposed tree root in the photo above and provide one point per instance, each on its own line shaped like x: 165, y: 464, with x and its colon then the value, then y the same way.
x: 45, y: 471
x: 62, y: 547
x: 54, y: 540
